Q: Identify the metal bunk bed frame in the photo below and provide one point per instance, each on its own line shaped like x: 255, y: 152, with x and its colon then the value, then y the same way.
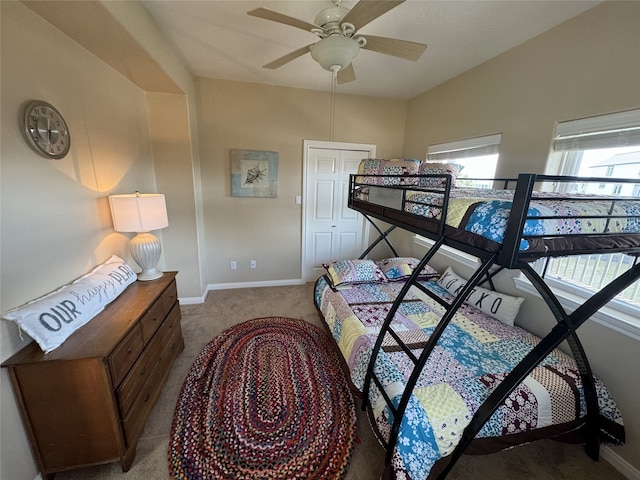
x: 509, y: 257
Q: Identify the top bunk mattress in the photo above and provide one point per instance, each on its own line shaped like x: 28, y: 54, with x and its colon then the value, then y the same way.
x: 554, y: 222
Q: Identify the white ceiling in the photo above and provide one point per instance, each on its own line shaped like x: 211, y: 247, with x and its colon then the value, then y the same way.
x: 219, y: 40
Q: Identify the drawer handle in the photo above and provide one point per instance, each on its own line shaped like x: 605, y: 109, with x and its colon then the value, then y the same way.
x: 146, y: 399
x: 144, y: 370
x: 129, y: 350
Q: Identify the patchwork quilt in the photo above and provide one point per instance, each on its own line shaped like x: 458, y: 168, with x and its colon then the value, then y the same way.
x: 473, y: 355
x: 486, y: 212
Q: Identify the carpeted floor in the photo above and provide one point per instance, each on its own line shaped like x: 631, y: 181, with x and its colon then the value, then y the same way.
x: 546, y: 460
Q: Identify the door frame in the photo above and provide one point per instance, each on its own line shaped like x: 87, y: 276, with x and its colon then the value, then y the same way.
x: 322, y: 144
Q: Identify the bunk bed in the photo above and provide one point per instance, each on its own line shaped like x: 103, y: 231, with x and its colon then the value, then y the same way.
x: 392, y: 344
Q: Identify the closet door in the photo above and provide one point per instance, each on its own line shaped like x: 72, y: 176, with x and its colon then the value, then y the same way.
x: 332, y: 230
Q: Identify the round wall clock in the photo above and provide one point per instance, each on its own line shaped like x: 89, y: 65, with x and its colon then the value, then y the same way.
x: 46, y: 130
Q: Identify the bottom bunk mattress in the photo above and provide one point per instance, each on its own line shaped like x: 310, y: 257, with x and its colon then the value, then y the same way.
x: 473, y: 355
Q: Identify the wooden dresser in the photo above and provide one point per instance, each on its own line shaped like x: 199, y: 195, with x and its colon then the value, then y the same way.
x: 87, y: 402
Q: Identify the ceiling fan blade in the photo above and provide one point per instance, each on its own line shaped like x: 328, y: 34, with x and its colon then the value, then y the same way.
x: 393, y: 46
x: 267, y: 14
x: 346, y: 75
x: 365, y: 11
x: 287, y: 58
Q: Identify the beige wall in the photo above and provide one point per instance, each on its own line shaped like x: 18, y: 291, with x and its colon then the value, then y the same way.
x: 587, y: 66
x: 173, y: 124
x: 236, y: 115
x: 56, y: 223
x: 172, y: 156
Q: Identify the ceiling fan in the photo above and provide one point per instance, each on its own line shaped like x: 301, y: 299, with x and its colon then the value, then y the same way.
x: 340, y: 39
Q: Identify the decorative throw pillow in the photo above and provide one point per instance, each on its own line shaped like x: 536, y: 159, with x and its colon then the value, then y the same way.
x: 400, y: 268
x: 376, y: 166
x: 433, y: 168
x: 52, y: 318
x: 498, y: 305
x: 350, y: 272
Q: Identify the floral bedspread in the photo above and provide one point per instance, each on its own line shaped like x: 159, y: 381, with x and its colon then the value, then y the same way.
x: 474, y: 354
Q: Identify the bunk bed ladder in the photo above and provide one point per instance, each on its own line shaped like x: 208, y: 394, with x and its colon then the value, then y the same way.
x: 419, y: 362
x: 386, y: 328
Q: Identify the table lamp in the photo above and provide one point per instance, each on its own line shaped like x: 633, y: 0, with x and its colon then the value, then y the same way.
x: 141, y: 213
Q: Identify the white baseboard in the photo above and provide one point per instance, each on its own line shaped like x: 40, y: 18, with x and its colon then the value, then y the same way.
x: 619, y: 463
x: 266, y: 283
x: 193, y: 300
x: 227, y: 286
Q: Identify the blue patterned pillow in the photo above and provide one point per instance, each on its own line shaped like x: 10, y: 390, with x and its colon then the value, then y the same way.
x: 349, y: 272
x: 401, y: 268
x: 432, y: 168
x: 405, y: 168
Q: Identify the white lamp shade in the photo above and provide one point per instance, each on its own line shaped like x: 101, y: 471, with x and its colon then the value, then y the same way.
x: 138, y: 212
x: 334, y: 50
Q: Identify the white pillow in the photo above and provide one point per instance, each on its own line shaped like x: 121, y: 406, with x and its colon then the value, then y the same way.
x: 52, y: 318
x: 498, y: 305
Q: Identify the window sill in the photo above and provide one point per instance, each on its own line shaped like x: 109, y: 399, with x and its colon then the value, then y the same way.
x: 615, y: 318
x: 622, y: 319
x: 451, y: 253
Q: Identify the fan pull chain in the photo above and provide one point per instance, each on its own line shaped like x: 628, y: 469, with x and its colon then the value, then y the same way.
x: 334, y: 79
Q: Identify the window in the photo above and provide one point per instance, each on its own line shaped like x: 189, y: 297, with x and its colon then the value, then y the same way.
x: 478, y: 156
x: 595, y: 147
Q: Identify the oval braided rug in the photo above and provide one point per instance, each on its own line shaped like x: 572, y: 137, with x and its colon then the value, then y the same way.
x: 265, y: 399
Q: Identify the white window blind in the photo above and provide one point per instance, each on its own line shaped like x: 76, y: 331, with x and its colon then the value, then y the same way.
x: 620, y: 129
x: 471, y: 147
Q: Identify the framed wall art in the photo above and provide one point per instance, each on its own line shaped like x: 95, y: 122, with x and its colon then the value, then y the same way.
x: 254, y: 173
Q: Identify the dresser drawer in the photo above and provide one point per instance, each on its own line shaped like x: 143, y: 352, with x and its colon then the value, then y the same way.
x: 125, y: 354
x: 139, y: 374
x: 151, y: 320
x: 150, y: 358
x: 134, y: 421
x: 173, y: 346
x: 171, y: 323
x: 170, y: 296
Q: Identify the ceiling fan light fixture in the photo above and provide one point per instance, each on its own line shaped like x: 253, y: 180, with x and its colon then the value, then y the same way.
x: 334, y: 50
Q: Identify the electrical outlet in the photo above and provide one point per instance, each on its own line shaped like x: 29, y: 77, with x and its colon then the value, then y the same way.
x: 253, y: 264
x: 234, y: 265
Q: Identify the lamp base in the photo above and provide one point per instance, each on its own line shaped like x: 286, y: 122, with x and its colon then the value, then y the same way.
x: 149, y: 275
x: 145, y: 250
